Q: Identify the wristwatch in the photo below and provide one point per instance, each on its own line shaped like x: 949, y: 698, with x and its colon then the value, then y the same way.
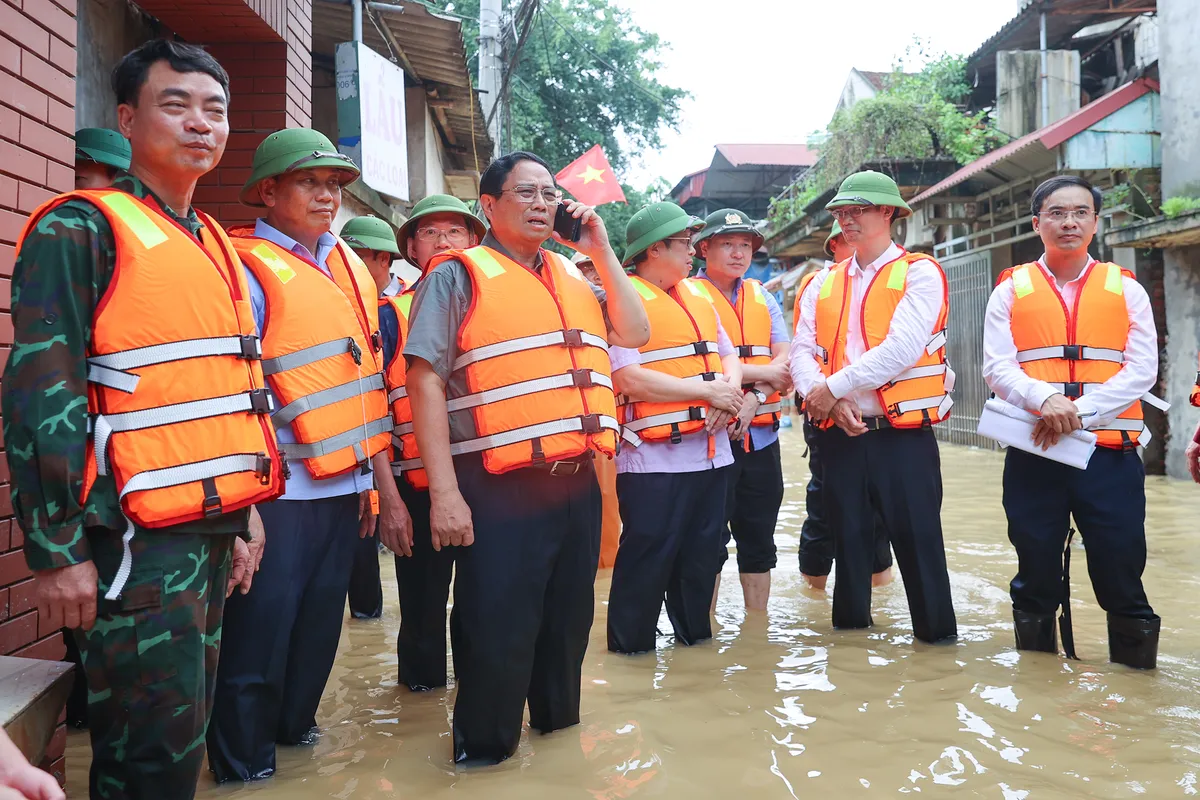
x: 762, y: 396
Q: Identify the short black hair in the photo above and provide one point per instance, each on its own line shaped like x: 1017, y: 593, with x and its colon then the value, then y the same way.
x: 491, y: 182
x: 1052, y: 185
x: 130, y: 75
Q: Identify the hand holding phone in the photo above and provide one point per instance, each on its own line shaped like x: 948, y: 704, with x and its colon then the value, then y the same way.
x: 567, y: 225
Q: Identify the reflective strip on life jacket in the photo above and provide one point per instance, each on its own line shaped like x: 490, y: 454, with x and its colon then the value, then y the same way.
x: 326, y: 397
x: 1076, y: 390
x: 591, y: 424
x: 668, y: 353
x: 1070, y: 352
x: 570, y: 338
x: 748, y: 325
x: 351, y: 438
x: 397, y: 394
x: 580, y: 379
x: 311, y: 355
x: 752, y: 350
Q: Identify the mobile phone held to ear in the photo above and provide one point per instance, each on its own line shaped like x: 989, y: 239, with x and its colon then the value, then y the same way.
x: 566, y: 225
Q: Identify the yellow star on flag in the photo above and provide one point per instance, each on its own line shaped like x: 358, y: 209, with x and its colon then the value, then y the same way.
x: 590, y: 174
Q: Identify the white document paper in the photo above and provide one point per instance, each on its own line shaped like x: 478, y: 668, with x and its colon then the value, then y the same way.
x: 1013, y: 427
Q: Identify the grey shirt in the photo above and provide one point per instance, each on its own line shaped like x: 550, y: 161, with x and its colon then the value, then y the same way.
x: 440, y: 305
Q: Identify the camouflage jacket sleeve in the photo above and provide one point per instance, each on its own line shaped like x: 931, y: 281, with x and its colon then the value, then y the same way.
x: 62, y: 269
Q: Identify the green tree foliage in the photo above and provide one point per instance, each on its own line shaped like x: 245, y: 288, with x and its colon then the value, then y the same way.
x: 587, y: 75
x: 916, y: 115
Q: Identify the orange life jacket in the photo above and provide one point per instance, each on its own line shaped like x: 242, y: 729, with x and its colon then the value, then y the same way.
x: 748, y: 326
x: 804, y: 282
x: 1195, y: 396
x: 408, y: 459
x: 1079, y: 349
x: 177, y: 405
x: 534, y: 352
x: 321, y: 354
x: 683, y: 344
x: 917, y: 397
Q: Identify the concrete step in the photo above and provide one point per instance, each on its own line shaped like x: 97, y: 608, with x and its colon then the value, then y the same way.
x: 32, y: 695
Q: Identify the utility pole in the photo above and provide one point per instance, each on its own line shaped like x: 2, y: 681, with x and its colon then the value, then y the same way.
x: 490, y: 68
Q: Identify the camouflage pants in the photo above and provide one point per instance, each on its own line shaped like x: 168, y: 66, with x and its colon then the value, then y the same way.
x: 151, y: 660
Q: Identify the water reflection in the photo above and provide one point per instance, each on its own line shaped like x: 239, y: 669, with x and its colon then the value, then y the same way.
x: 781, y: 706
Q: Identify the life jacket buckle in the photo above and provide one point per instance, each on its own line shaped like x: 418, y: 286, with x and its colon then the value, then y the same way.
x: 262, y: 467
x: 701, y: 348
x: 251, y: 347
x: 712, y: 376
x: 1073, y: 390
x: 745, y: 350
x: 260, y: 401
x: 212, y: 500
x: 285, y: 467
x: 591, y: 424
x: 582, y: 379
x: 1073, y: 352
x: 376, y: 341
x: 355, y: 352
x: 695, y: 414
x: 1198, y: 378
x: 573, y: 337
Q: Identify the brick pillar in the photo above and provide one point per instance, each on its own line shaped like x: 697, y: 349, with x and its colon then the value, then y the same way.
x: 37, y: 157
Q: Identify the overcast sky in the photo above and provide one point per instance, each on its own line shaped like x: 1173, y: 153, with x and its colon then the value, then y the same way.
x: 770, y: 71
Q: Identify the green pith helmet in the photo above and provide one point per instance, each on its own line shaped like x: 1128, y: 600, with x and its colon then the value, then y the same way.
x: 103, y: 146
x: 833, y: 234
x: 370, y: 233
x: 437, y: 204
x: 728, y: 220
x: 654, y: 223
x: 870, y: 188
x: 291, y: 149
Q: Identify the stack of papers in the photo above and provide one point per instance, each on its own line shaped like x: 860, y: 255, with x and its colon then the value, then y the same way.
x: 1013, y: 427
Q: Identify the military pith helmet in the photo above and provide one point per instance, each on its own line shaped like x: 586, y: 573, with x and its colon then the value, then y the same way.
x: 728, y: 220
x: 293, y: 149
x: 370, y: 233
x: 437, y: 204
x: 833, y: 234
x: 103, y: 146
x: 870, y: 188
x: 654, y: 223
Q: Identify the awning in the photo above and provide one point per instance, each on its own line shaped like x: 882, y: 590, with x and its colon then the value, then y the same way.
x: 429, y: 47
x: 1022, y: 156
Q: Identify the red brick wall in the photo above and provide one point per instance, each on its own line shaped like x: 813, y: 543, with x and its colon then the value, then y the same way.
x: 37, y: 156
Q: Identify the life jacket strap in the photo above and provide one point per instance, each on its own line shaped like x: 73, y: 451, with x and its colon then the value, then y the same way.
x: 326, y: 397
x: 570, y: 338
x: 942, y: 402
x: 350, y: 438
x: 928, y: 371
x: 937, y: 342
x: 397, y: 394
x: 588, y: 424
x: 311, y: 355
x: 682, y: 351
x: 1071, y: 352
x: 580, y: 379
x: 112, y: 369
x: 631, y: 429
x: 752, y: 350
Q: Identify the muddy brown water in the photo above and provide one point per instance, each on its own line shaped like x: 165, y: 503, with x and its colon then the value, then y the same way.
x: 781, y: 706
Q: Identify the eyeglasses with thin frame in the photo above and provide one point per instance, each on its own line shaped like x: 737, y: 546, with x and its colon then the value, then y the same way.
x: 850, y: 212
x: 455, y: 233
x: 1061, y: 214
x: 686, y: 239
x: 527, y: 194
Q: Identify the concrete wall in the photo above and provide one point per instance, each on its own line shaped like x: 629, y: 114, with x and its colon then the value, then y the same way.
x: 1179, y: 30
x: 1019, y: 89
x: 114, y: 28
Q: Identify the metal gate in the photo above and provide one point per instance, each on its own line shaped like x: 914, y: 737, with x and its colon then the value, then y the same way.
x: 970, y: 279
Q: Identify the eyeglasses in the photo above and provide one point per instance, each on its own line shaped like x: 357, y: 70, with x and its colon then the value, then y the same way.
x: 1061, y: 214
x: 527, y: 194
x: 453, y: 234
x: 686, y: 239
x: 850, y: 212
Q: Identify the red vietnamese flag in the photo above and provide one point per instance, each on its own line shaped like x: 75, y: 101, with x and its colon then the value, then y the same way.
x: 590, y: 179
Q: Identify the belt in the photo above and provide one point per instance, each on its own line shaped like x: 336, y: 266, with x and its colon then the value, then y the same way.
x: 876, y: 423
x: 565, y: 469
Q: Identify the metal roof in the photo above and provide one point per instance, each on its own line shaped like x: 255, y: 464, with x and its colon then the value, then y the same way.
x: 782, y: 155
x: 1015, y: 159
x: 1063, y: 19
x: 430, y: 48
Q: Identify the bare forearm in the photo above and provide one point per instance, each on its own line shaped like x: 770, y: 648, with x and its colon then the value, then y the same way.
x: 648, y: 386
x: 731, y: 366
x: 384, y: 482
x: 630, y: 325
x: 431, y: 426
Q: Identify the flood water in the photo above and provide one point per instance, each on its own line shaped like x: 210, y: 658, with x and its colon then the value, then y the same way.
x: 781, y: 706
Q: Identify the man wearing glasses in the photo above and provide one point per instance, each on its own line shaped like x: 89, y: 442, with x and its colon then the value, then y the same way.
x: 755, y: 324
x: 1073, y: 340
x: 869, y: 359
x: 511, y: 392
x: 315, y: 307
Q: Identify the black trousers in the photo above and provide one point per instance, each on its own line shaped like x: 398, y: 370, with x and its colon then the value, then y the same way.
x: 1108, y: 502
x: 424, y: 587
x: 523, y: 604
x: 752, y: 501
x: 366, y: 590
x: 280, y: 640
x: 896, y: 474
x: 816, y: 537
x: 671, y: 529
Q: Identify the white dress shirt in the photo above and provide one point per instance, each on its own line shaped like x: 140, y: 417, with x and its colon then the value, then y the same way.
x: 1013, y: 385
x: 867, y: 370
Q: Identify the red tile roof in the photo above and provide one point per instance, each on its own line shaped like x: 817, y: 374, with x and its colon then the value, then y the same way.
x: 1050, y: 136
x: 789, y: 155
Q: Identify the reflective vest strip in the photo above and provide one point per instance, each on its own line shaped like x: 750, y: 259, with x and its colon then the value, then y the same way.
x: 326, y: 397
x: 552, y: 428
x: 308, y: 355
x: 524, y: 388
x: 1060, y: 351
x: 145, y: 229
x: 682, y: 351
x: 248, y: 347
x: 524, y: 344
x: 352, y: 437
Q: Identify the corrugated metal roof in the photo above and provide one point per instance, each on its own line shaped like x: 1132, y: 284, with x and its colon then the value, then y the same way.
x: 430, y: 49
x: 1050, y: 136
x: 784, y: 155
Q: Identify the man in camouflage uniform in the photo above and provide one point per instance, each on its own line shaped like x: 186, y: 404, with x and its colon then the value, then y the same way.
x: 151, y: 654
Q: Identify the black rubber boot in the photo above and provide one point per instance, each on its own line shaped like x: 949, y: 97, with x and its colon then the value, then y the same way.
x: 1035, y: 631
x: 1133, y: 642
